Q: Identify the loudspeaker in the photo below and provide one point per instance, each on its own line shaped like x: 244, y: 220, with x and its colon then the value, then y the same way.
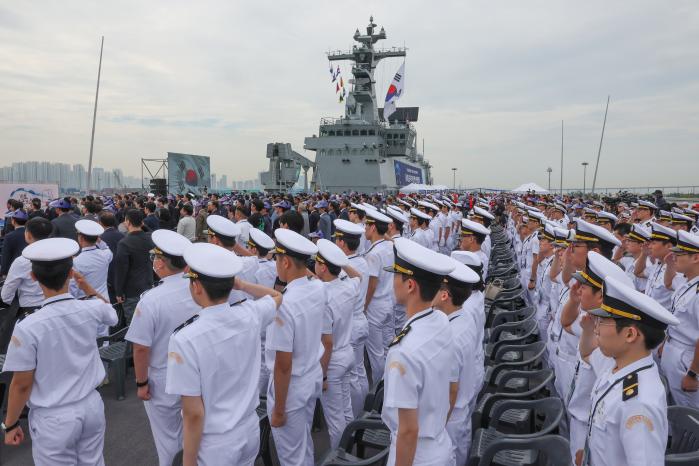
x: 158, y: 186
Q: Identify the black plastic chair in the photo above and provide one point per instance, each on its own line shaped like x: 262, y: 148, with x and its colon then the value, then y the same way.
x: 513, y: 385
x: 547, y: 412
x: 265, y: 433
x: 499, y: 316
x: 548, y: 450
x: 511, y: 333
x: 530, y: 360
x: 116, y: 355
x: 342, y: 456
x: 684, y: 436
x: 373, y: 438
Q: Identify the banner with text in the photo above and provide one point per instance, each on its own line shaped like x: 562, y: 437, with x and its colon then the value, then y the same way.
x: 406, y: 174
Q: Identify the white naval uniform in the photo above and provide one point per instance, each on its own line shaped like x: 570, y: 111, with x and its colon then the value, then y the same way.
x: 265, y: 275
x: 542, y: 293
x: 158, y: 312
x: 200, y: 364
x: 337, y: 321
x: 19, y: 281
x: 297, y: 329
x: 422, y: 237
x: 639, y: 282
x: 485, y: 260
x: 398, y: 310
x: 250, y: 265
x: 57, y: 342
x: 380, y: 310
x: 678, y: 352
x: 631, y: 432
x: 475, y: 305
x: 244, y: 235
x: 487, y: 246
x: 93, y: 264
x: 464, y: 364
x: 418, y: 372
x: 655, y: 288
x: 436, y: 224
x: 530, y: 246
x: 359, y: 383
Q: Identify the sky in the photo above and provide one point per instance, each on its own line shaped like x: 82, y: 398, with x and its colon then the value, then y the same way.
x: 493, y: 81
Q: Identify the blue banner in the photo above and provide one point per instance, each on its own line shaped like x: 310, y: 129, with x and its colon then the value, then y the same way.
x: 407, y: 174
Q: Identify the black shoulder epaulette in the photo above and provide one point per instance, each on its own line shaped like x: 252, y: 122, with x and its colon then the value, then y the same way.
x: 25, y: 314
x: 630, y: 386
x: 87, y: 297
x: 344, y: 277
x: 400, y: 336
x: 239, y: 302
x: 186, y: 322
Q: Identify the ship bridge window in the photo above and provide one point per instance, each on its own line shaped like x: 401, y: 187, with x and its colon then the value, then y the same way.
x: 372, y: 132
x: 348, y: 132
x: 389, y: 136
x: 355, y: 132
x: 402, y: 135
x: 331, y: 133
x: 362, y: 132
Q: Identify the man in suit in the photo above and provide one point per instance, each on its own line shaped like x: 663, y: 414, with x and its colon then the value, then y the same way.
x: 14, y: 241
x: 151, y: 221
x: 111, y: 236
x: 64, y: 224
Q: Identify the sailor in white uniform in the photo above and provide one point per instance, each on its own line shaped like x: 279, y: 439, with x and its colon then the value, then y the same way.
x: 395, y: 230
x: 158, y: 312
x: 485, y: 218
x: 450, y: 300
x: 635, y: 243
x: 56, y: 364
x: 420, y: 233
x: 679, y: 363
x: 662, y: 239
x: 347, y: 236
x: 644, y: 213
x: 628, y: 421
x: 419, y: 362
x: 473, y: 235
x: 379, y: 298
x: 357, y: 215
x: 260, y: 244
x: 338, y: 358
x: 293, y: 351
x: 219, y: 392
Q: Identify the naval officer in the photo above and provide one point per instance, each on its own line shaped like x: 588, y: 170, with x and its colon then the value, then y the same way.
x: 473, y: 235
x: 450, y: 299
x: 680, y: 363
x: 293, y: 351
x: 158, y: 312
x: 419, y: 362
x: 338, y: 358
x: 219, y: 393
x: 56, y: 363
x: 628, y: 420
x: 395, y: 230
x: 347, y: 236
x: 419, y: 232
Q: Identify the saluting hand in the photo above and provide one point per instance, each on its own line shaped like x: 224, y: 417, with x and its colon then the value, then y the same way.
x: 15, y: 436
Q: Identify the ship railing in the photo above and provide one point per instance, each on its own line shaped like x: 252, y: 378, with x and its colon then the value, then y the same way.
x: 348, y: 121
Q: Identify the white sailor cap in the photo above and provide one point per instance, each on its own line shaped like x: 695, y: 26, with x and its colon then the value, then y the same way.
x: 692, y: 213
x: 562, y: 237
x: 418, y: 214
x: 221, y: 226
x: 481, y: 213
x: 328, y: 252
x: 622, y: 301
x: 681, y: 218
x: 606, y: 217
x: 687, y: 243
x: 471, y: 259
x: 587, y: 232
x: 260, y: 240
x: 646, y: 205
x: 548, y: 232
x: 639, y: 234
x: 212, y: 261
x: 292, y: 244
x: 89, y: 227
x: 51, y: 249
x: 418, y: 262
x: 374, y: 216
x: 462, y: 274
x: 169, y: 243
x: 538, y: 216
x: 662, y: 233
x: 469, y: 227
x: 368, y: 206
x: 597, y: 269
x: 561, y: 207
x: 664, y: 215
x: 396, y: 214
x: 598, y: 204
x: 428, y: 205
x: 346, y: 228
x: 407, y: 204
x: 355, y: 207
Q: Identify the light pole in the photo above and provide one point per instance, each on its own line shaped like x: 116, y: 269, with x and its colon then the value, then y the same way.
x: 584, y: 164
x: 549, y: 170
x: 453, y: 170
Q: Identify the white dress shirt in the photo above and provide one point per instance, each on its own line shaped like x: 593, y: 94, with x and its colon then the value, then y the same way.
x: 19, y: 280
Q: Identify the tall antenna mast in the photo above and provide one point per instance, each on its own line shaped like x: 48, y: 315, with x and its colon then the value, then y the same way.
x: 94, y: 120
x: 599, y: 151
x: 561, y: 157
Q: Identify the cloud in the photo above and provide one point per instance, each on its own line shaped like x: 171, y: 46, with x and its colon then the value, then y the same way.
x: 493, y: 80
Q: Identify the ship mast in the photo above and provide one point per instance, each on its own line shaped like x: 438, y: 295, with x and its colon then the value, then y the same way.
x: 361, y: 102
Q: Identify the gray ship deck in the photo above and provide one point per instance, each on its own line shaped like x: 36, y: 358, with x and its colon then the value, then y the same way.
x: 128, y: 441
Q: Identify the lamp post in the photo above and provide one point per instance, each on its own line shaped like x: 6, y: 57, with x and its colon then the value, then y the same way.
x: 584, y: 164
x: 453, y: 170
x: 549, y: 170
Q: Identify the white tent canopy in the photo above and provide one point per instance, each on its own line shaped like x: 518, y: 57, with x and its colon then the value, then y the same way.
x: 422, y: 188
x: 530, y: 187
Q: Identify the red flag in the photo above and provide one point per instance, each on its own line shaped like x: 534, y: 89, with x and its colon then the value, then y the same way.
x: 342, y: 83
x: 337, y: 88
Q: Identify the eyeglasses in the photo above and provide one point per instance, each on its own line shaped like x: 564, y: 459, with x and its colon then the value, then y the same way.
x: 603, y: 321
x: 153, y: 256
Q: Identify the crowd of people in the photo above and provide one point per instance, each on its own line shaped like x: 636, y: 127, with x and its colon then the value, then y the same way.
x: 321, y: 296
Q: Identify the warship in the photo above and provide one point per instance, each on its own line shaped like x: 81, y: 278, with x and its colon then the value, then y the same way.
x: 361, y: 151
